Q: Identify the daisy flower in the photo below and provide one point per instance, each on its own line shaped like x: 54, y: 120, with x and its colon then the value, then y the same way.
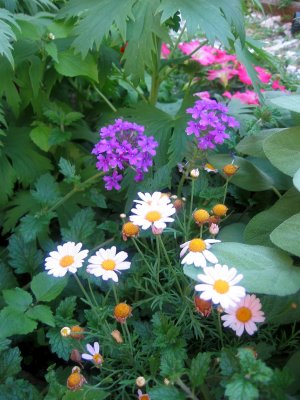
x: 152, y: 211
x: 94, y: 355
x: 243, y: 315
x: 67, y: 257
x: 106, y: 263
x: 219, y: 285
x: 198, y: 252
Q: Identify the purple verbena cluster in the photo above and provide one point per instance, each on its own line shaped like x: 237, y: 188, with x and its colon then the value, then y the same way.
x: 210, y: 123
x: 123, y: 145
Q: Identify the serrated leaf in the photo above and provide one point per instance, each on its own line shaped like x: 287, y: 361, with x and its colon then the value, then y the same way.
x: 46, y: 190
x: 41, y: 313
x: 23, y: 257
x: 199, y: 368
x: 286, y: 235
x: 166, y: 393
x: 33, y: 225
x: 240, y: 388
x: 81, y: 227
x: 17, y: 298
x: 283, y: 150
x: 15, y: 322
x: 7, y: 35
x: 10, y: 363
x: 8, y: 279
x: 59, y: 344
x: 46, y: 287
x: 17, y: 389
x: 172, y: 364
x: 277, y: 275
x: 40, y: 136
x: 67, y: 169
x: 8, y: 85
x: 86, y: 394
x: 65, y: 311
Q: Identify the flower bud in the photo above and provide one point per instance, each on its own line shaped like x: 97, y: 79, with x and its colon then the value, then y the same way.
x: 178, y: 204
x: 140, y: 381
x: 75, y: 356
x: 143, y: 396
x: 230, y: 169
x: 156, y: 231
x: 220, y: 210
x: 210, y: 168
x: 201, y: 216
x: 75, y: 380
x: 117, y: 336
x: 51, y: 36
x: 203, y: 307
x: 166, y: 381
x: 130, y: 230
x: 195, y: 173
x: 77, y: 332
x: 214, y: 229
x: 122, y: 216
x: 122, y: 311
x: 66, y: 331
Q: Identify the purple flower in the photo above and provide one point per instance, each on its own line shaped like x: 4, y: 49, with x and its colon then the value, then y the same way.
x: 209, y: 124
x: 123, y: 145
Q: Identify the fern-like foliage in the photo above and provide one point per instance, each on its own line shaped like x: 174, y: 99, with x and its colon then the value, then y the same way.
x: 28, y: 6
x: 7, y: 35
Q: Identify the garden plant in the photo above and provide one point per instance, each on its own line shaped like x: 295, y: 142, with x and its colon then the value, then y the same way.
x: 150, y: 204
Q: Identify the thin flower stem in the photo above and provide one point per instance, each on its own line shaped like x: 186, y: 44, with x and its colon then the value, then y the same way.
x: 177, y: 40
x: 129, y: 338
x: 201, y: 230
x: 225, y: 190
x: 141, y: 253
x: 158, y: 258
x: 115, y: 293
x: 186, y: 389
x: 181, y: 182
x: 220, y: 328
x: 191, y: 206
x: 84, y: 292
x: 105, y: 98
x: 276, y: 191
x: 92, y: 293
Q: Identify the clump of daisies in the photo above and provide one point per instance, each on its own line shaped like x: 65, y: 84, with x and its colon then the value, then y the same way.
x: 209, y: 123
x: 123, y: 144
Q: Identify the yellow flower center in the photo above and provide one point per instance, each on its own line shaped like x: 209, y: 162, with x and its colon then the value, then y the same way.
x: 109, y: 265
x: 97, y: 358
x: 197, y: 245
x: 129, y: 229
x: 243, y: 314
x: 66, y: 261
x: 201, y: 216
x: 74, y: 380
x: 122, y: 310
x: 230, y: 169
x: 220, y: 210
x: 153, y: 216
x: 221, y: 286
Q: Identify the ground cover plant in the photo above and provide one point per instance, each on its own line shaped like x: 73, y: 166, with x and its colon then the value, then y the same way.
x: 150, y: 204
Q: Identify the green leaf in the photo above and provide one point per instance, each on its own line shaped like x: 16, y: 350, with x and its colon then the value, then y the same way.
x: 232, y: 233
x: 253, y: 145
x: 40, y: 136
x: 46, y: 190
x: 10, y: 363
x: 7, y: 35
x: 67, y: 169
x: 41, y: 313
x: 290, y: 102
x: 23, y: 257
x: 277, y: 275
x: 70, y: 64
x: 17, y: 389
x: 296, y: 180
x: 8, y: 85
x: 59, y: 344
x: 17, y: 298
x: 46, y: 287
x: 81, y: 227
x: 36, y: 71
x: 33, y: 225
x: 286, y: 235
x: 293, y: 367
x: 86, y: 394
x: 8, y: 279
x: 199, y: 368
x: 240, y: 388
x: 165, y: 393
x: 15, y: 322
x: 95, y: 20
x: 283, y: 150
x: 260, y: 227
x: 172, y: 364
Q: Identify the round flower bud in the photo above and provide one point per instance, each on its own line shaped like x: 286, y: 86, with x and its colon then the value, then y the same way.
x: 51, y: 36
x: 178, y: 204
x: 195, y: 173
x: 66, y: 331
x: 156, y: 231
x: 121, y: 312
x: 201, y: 216
x: 75, y: 380
x: 214, y: 229
x: 140, y: 381
x: 213, y: 219
x: 143, y: 396
x: 129, y: 230
x: 203, y: 307
x: 77, y: 332
x: 220, y: 210
x: 117, y: 336
x: 122, y: 216
x: 75, y: 356
x: 166, y: 381
x: 230, y: 169
x: 294, y: 306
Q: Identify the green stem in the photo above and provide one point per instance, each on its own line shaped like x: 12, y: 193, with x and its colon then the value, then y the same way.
x: 129, y: 338
x: 201, y: 231
x: 155, y: 81
x: 191, y: 206
x: 158, y: 258
x: 276, y: 191
x: 115, y: 293
x: 84, y: 292
x: 105, y: 98
x: 186, y: 389
x: 220, y: 328
x: 141, y: 253
x: 225, y: 190
x: 180, y: 186
x: 92, y: 293
x: 177, y: 41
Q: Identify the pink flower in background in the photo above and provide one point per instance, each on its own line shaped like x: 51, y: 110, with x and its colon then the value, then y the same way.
x: 223, y: 74
x: 205, y: 55
x: 248, y: 97
x: 276, y: 86
x: 243, y: 75
x: 263, y: 75
x: 203, y: 95
x: 165, y: 51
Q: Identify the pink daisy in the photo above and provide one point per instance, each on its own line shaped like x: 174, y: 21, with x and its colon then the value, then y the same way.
x: 243, y: 315
x: 94, y: 355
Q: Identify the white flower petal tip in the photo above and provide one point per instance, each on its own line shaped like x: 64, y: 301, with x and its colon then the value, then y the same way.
x: 67, y: 258
x: 107, y: 263
x: 198, y: 253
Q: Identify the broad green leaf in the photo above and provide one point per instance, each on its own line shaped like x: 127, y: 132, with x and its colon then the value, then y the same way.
x: 23, y: 257
x: 41, y: 313
x: 293, y: 367
x: 33, y: 225
x: 240, y: 388
x: 291, y: 102
x: 296, y: 180
x: 286, y: 235
x: 166, y: 393
x: 10, y: 363
x: 86, y: 394
x: 277, y: 275
x: 8, y: 279
x: 17, y: 389
x: 248, y: 177
x: 36, y: 71
x: 282, y: 310
x: 59, y: 344
x: 65, y: 311
x: 70, y: 64
x: 232, y: 233
x: 260, y: 227
x: 52, y: 51
x: 46, y: 287
x: 81, y: 227
x: 15, y: 322
x: 283, y: 150
x: 17, y: 298
x: 40, y: 136
x: 253, y: 145
x: 199, y: 369
x: 46, y: 190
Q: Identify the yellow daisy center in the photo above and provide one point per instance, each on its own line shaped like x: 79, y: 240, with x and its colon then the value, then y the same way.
x: 74, y: 380
x: 230, y: 169
x: 243, y: 314
x: 130, y: 229
x: 66, y: 261
x: 197, y: 245
x: 97, y: 358
x: 201, y: 216
x: 220, y: 210
x: 109, y: 265
x: 153, y: 216
x: 221, y: 286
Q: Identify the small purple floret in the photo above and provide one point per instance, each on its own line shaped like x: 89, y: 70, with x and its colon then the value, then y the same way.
x: 123, y: 145
x: 210, y: 123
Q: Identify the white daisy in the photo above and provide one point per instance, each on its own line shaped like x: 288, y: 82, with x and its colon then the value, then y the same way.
x: 243, y: 315
x: 94, y: 355
x: 152, y: 211
x: 106, y: 263
x: 198, y: 252
x: 219, y: 285
x: 68, y: 257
